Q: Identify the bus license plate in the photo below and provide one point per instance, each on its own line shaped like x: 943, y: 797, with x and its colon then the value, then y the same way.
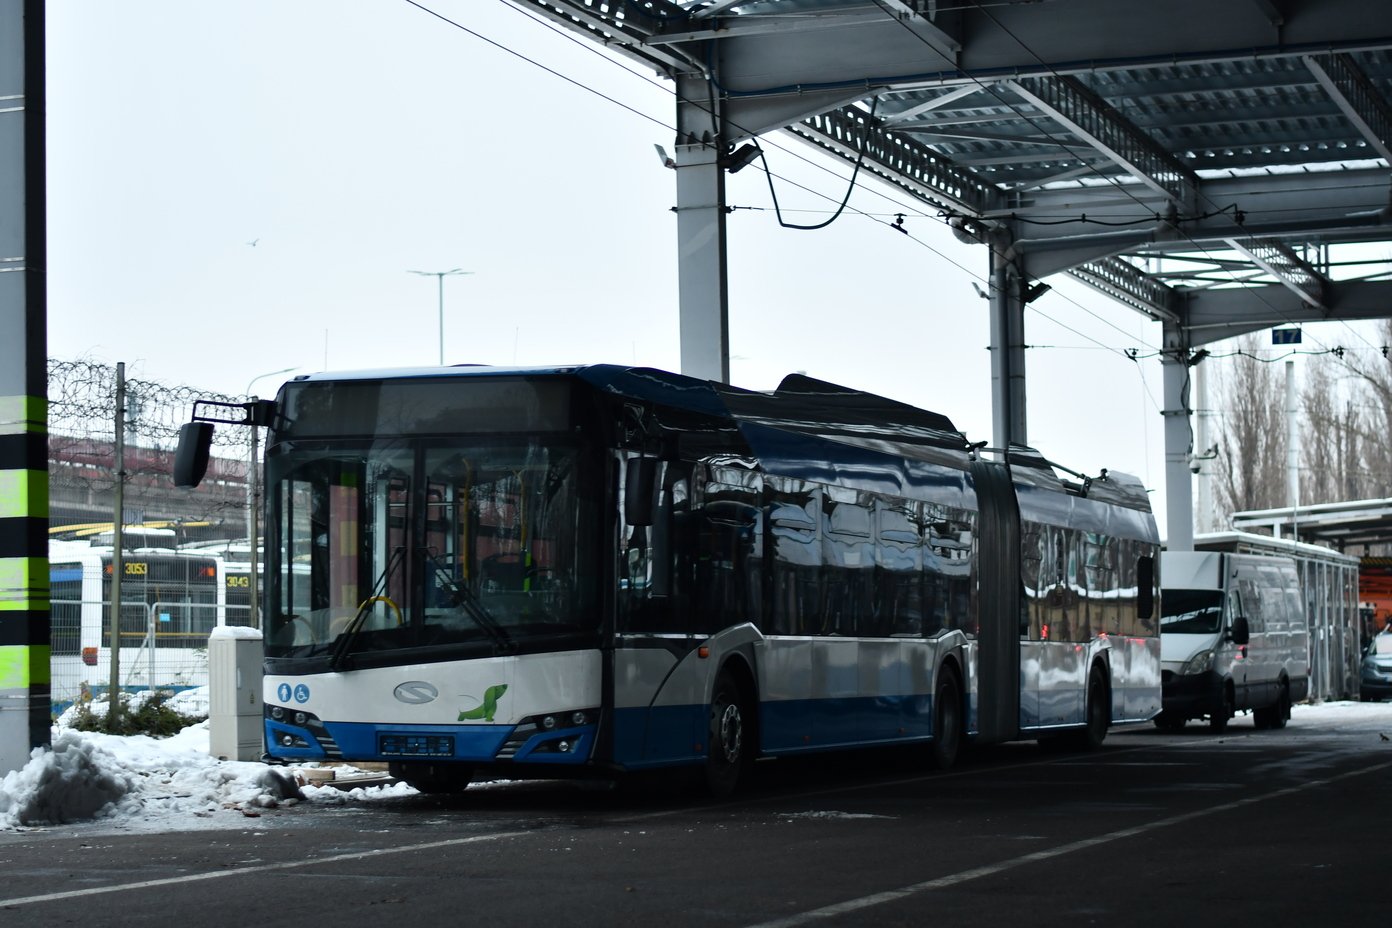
x: 400, y: 744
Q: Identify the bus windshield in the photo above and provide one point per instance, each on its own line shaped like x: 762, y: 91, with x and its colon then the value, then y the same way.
x: 1193, y: 612
x: 386, y: 551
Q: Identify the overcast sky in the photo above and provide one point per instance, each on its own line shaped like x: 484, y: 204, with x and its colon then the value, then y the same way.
x: 236, y: 188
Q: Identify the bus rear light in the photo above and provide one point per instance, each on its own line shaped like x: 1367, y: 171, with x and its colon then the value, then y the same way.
x: 703, y: 652
x: 89, y: 656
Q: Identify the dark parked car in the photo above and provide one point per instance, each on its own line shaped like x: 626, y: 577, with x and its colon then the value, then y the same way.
x: 1376, y: 680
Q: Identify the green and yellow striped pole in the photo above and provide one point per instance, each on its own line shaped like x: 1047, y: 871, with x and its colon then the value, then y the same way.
x: 24, y: 584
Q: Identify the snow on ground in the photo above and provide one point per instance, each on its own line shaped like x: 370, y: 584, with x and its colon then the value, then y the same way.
x: 139, y: 783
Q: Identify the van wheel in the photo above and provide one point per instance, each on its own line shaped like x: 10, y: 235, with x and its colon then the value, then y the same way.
x: 1170, y: 721
x: 1276, y: 714
x: 1280, y: 715
x: 947, y: 719
x: 727, y: 737
x: 1218, y: 721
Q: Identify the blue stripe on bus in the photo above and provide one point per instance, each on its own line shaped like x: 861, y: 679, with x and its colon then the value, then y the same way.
x: 64, y: 574
x: 667, y: 735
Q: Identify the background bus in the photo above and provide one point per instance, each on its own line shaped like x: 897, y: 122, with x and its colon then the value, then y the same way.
x: 478, y: 571
x: 170, y: 602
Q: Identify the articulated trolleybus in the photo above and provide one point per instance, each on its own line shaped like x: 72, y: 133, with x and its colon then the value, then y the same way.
x: 508, y: 573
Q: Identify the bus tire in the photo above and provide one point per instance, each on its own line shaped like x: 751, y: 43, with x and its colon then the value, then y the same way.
x: 947, y: 719
x: 1097, y: 713
x: 727, y: 738
x: 432, y: 778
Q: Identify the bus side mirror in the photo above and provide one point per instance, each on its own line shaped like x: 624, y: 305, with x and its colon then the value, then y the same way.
x: 1145, y: 581
x: 191, y: 458
x: 639, y: 476
x: 1240, y: 633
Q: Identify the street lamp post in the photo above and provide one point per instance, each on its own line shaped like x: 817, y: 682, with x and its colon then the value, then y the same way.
x: 440, y: 278
x: 253, y: 506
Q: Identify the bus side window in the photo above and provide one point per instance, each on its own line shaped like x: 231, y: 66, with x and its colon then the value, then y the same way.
x: 1031, y: 563
x: 729, y: 560
x: 897, y: 603
x: 847, y: 562
x: 794, y: 513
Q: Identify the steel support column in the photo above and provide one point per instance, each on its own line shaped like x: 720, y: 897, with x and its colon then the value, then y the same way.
x: 1007, y: 348
x: 24, y: 583
x: 702, y: 285
x: 1179, y: 491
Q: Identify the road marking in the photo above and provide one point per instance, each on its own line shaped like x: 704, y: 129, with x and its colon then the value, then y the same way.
x: 963, y: 876
x: 260, y: 868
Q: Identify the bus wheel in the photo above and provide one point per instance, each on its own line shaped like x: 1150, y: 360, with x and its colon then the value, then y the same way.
x: 947, y: 719
x: 727, y: 738
x: 1218, y: 720
x: 1097, y: 714
x: 432, y: 778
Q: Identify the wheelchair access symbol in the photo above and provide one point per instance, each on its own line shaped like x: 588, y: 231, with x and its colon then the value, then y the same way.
x: 300, y: 693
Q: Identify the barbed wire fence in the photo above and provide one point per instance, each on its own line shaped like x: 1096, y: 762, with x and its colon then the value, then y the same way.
x: 82, y: 398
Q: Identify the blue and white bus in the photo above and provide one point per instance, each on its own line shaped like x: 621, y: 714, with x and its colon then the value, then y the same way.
x: 481, y: 572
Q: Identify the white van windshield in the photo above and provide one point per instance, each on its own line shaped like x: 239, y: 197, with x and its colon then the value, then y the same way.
x: 1194, y: 612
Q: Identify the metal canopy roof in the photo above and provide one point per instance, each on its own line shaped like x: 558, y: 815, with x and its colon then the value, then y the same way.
x: 1362, y: 522
x: 1209, y: 163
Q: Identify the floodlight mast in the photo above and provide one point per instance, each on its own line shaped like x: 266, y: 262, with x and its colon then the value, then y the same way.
x: 440, y: 278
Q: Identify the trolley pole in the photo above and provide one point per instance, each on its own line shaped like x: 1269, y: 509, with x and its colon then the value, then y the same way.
x: 254, y: 526
x: 118, y: 565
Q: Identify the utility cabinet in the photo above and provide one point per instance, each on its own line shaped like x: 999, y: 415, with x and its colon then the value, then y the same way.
x: 235, y: 726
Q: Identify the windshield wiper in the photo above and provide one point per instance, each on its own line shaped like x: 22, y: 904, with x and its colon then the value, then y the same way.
x: 468, y: 601
x: 345, y: 639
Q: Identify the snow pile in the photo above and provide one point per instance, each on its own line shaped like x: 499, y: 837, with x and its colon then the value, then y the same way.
x: 73, y: 781
x: 87, y: 775
x: 137, y: 783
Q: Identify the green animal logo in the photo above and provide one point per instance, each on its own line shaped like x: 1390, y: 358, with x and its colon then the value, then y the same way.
x: 488, y: 708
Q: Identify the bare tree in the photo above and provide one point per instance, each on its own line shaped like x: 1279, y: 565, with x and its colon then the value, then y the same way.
x: 1373, y: 472
x: 1252, y: 446
x: 1333, y: 435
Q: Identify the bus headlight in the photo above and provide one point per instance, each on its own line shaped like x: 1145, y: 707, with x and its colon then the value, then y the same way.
x: 1199, y: 663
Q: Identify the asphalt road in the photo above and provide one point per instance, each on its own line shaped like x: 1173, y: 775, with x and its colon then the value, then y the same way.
x: 1245, y: 828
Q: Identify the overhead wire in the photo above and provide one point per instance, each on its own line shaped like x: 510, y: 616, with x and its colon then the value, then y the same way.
x: 904, y: 210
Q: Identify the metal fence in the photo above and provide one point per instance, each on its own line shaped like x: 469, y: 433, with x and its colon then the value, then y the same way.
x: 162, y: 646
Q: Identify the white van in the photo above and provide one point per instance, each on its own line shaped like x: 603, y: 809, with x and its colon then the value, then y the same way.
x: 1233, y: 637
